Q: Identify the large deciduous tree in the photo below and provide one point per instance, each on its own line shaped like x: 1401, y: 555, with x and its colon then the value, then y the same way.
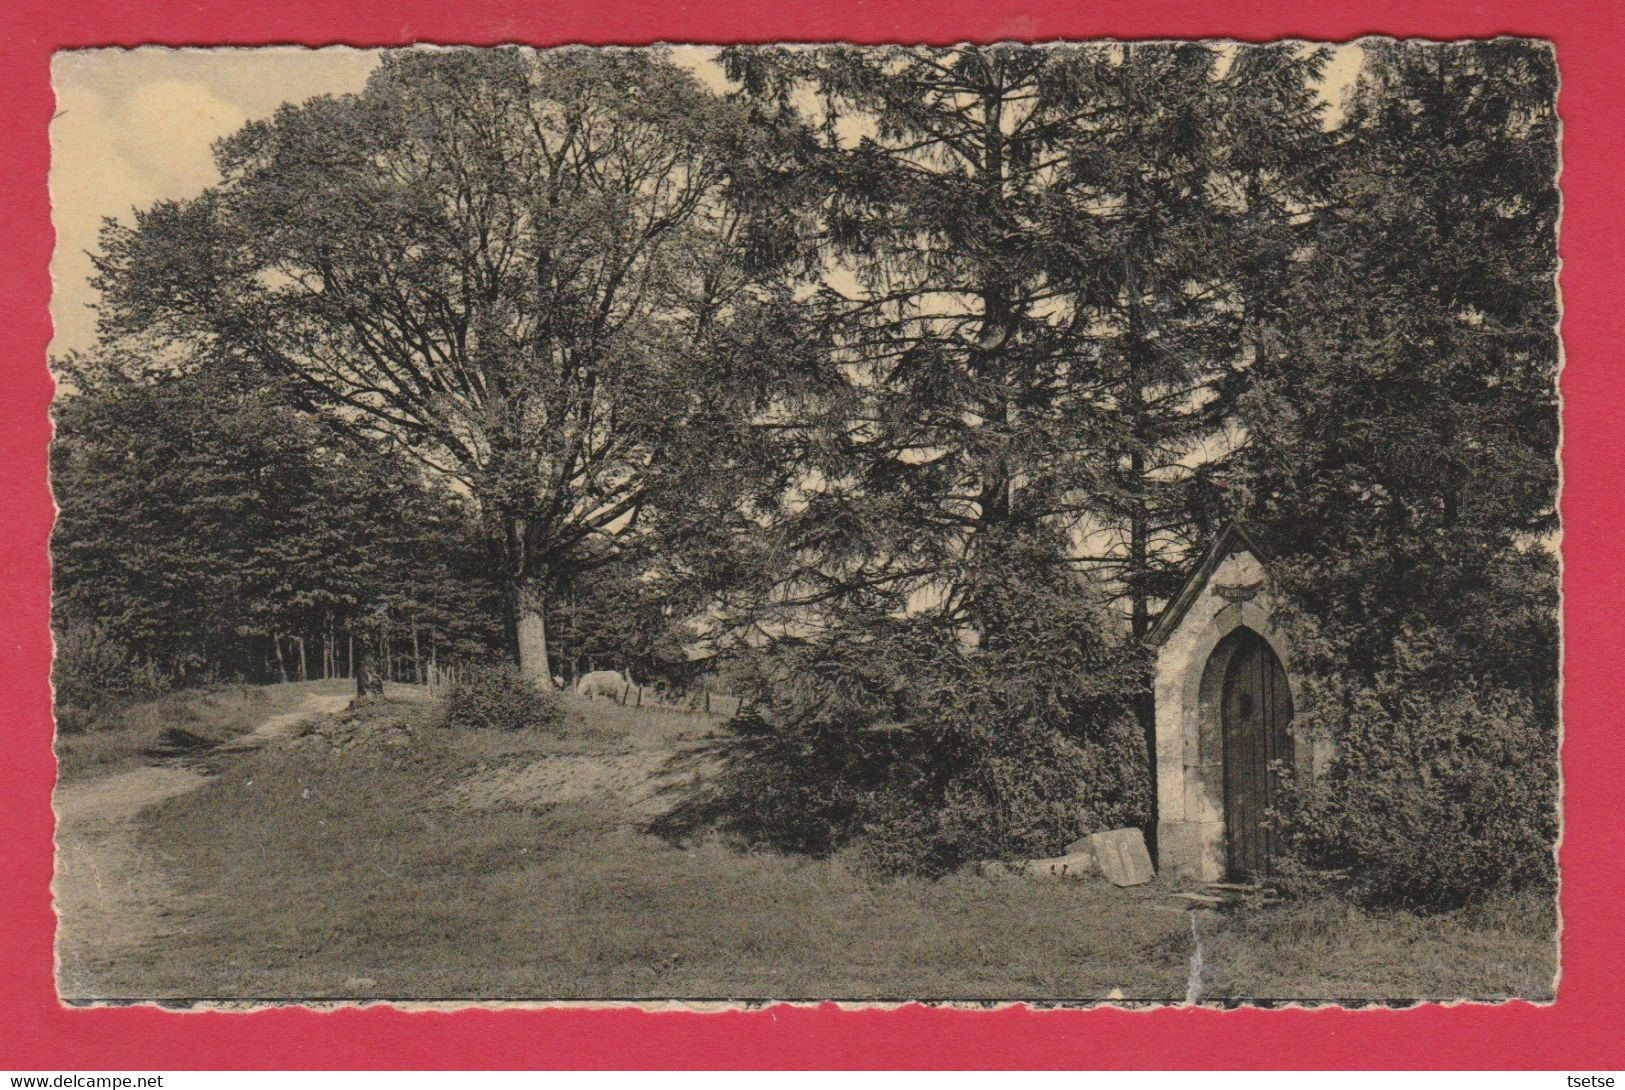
x: 527, y: 269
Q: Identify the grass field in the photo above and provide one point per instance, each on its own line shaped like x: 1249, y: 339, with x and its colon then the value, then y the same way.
x: 384, y: 857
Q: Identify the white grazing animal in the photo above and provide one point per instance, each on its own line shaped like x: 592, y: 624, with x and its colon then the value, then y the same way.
x: 608, y: 683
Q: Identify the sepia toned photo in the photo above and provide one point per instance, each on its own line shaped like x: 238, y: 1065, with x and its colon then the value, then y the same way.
x: 1067, y: 524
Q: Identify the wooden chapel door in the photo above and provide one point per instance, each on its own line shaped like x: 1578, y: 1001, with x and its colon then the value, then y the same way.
x: 1257, y: 711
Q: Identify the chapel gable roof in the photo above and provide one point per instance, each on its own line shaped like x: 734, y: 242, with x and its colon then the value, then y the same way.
x: 1231, y: 539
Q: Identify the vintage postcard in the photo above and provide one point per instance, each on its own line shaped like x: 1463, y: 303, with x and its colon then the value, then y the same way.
x: 1069, y: 524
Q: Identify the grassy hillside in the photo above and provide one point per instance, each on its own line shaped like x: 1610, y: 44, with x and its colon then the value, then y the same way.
x: 385, y: 857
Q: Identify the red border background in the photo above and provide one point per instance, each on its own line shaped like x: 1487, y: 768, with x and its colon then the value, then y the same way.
x: 1586, y: 1026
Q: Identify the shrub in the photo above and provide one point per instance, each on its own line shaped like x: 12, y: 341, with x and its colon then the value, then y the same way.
x: 93, y: 673
x: 496, y: 697
x: 1434, y: 798
x: 1000, y: 780
x: 923, y: 754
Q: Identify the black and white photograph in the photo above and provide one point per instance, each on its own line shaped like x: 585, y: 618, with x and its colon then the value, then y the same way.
x: 1067, y: 523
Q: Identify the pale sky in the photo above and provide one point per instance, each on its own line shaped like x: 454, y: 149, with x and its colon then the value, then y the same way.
x: 134, y: 126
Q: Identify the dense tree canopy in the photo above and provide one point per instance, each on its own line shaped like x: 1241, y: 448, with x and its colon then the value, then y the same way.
x: 527, y: 269
x: 1401, y: 441
x: 212, y: 529
x: 1039, y: 266
x: 904, y: 381
x: 1401, y: 457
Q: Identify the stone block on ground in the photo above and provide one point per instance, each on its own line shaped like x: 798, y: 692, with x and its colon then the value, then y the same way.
x: 1122, y: 857
x: 1071, y: 865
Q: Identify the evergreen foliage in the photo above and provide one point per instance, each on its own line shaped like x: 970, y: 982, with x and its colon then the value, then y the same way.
x: 927, y: 754
x: 1401, y: 460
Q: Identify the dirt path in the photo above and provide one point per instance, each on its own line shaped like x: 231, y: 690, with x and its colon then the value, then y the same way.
x: 111, y: 898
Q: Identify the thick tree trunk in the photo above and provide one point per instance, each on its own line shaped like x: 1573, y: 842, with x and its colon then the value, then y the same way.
x: 1139, y: 568
x: 281, y: 664
x: 369, y: 681
x: 1144, y: 706
x: 530, y: 630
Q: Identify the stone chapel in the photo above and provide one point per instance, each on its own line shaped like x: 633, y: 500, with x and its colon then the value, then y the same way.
x: 1223, y: 691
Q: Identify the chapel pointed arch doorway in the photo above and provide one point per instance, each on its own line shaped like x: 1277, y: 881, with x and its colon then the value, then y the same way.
x: 1255, y: 719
